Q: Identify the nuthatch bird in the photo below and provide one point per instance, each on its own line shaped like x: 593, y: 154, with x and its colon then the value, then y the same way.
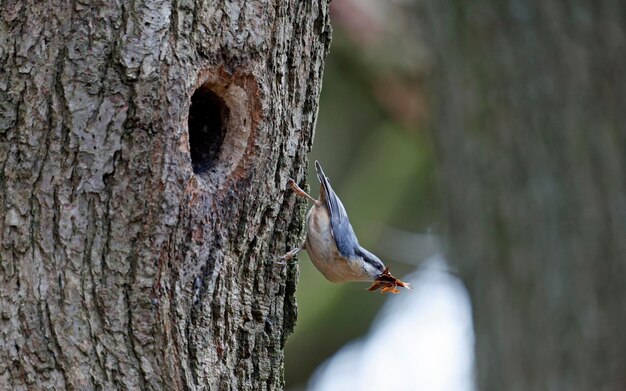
x: 333, y: 246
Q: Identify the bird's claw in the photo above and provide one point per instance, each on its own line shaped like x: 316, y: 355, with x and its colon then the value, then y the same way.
x: 283, y: 260
x: 298, y: 190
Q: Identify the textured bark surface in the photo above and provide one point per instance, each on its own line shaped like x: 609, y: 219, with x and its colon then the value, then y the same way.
x: 530, y: 126
x: 121, y: 268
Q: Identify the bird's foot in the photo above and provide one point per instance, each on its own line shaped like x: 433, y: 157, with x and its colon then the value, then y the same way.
x: 288, y: 256
x: 298, y: 190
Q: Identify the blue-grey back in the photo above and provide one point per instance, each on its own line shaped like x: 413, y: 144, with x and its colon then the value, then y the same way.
x: 344, y: 235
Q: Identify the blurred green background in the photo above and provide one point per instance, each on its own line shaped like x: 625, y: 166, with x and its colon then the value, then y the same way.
x: 373, y: 141
x: 531, y: 157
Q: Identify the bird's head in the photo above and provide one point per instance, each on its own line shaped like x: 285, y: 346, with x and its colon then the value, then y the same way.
x: 371, y: 263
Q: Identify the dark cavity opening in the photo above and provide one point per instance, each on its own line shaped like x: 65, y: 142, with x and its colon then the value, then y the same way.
x: 208, y: 120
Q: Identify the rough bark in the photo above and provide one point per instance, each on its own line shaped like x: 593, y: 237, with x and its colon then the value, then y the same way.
x: 124, y: 266
x: 530, y: 126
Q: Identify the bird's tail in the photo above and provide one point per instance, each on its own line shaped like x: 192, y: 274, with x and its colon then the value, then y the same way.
x: 323, y: 180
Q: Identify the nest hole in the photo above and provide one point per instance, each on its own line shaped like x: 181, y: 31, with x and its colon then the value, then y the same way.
x: 208, y: 121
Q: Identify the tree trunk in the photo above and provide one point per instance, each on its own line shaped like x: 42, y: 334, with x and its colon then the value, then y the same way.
x: 145, y: 148
x: 530, y: 126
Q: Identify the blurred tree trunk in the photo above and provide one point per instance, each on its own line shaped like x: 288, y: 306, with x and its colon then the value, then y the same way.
x: 530, y: 127
x: 123, y: 264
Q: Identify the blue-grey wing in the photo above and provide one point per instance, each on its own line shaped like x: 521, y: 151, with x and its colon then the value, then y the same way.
x: 344, y: 235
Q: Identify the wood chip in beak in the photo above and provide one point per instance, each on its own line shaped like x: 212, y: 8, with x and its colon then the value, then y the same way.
x: 388, y: 283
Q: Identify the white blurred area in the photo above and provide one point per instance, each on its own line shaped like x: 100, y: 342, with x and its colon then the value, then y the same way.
x: 421, y: 340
